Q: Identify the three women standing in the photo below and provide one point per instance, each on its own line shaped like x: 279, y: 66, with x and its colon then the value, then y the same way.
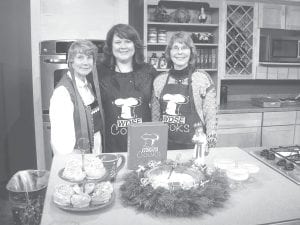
x: 125, y: 85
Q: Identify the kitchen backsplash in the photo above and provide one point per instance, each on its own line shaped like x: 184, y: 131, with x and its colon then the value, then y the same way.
x: 73, y: 19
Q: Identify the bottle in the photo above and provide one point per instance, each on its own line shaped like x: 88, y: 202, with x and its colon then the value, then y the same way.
x: 163, y: 62
x: 154, y: 60
x: 202, y: 16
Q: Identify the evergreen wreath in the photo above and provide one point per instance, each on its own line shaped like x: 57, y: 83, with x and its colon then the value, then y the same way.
x: 175, y: 202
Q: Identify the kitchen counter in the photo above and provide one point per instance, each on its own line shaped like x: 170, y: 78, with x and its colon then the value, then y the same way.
x: 247, y: 107
x: 267, y: 199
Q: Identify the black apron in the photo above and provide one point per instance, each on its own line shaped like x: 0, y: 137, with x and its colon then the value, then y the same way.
x: 178, y: 111
x: 123, y: 105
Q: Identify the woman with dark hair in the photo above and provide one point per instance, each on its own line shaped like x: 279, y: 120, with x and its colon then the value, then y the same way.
x: 75, y: 111
x: 125, y: 85
x: 184, y: 97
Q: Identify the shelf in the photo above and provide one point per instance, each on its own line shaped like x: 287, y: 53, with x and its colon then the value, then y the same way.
x: 184, y: 24
x: 207, y: 70
x: 196, y: 44
x: 278, y: 64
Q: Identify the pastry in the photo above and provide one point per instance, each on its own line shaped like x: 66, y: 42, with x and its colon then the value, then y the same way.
x: 62, y: 194
x: 80, y: 200
x: 73, y: 170
x: 94, y: 167
x: 102, y: 193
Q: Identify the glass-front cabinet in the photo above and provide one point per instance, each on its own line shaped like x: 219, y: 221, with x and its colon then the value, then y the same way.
x: 239, y: 40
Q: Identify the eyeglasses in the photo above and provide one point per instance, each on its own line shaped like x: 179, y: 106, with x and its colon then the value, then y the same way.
x: 177, y: 48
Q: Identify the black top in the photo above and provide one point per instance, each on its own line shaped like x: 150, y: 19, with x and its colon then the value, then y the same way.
x: 126, y: 98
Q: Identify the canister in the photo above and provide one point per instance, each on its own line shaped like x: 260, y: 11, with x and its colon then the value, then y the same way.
x: 152, y: 35
x: 162, y: 36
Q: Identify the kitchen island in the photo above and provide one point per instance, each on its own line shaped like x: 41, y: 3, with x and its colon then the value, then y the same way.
x: 267, y: 198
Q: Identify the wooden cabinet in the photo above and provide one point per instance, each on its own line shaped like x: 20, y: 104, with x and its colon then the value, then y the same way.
x: 240, y: 40
x: 277, y: 135
x: 297, y: 135
x: 241, y: 137
x: 271, y: 16
x: 297, y: 129
x: 278, y: 128
x: 279, y: 16
x: 292, y: 17
x: 242, y: 130
x: 47, y: 145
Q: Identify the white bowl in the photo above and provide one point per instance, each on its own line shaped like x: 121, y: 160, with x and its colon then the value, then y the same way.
x: 224, y: 164
x: 251, y: 168
x: 237, y: 174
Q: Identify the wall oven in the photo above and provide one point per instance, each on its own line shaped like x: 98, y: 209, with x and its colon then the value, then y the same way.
x: 53, y: 64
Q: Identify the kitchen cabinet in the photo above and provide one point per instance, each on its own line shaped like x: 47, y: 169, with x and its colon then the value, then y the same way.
x: 292, y: 17
x: 271, y: 16
x: 278, y: 16
x: 297, y: 135
x: 297, y: 129
x: 241, y: 130
x: 239, y: 40
x: 47, y: 144
x: 242, y: 137
x: 278, y: 128
x: 277, y: 135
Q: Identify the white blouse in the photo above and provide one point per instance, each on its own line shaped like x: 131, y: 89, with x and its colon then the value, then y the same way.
x: 62, y: 121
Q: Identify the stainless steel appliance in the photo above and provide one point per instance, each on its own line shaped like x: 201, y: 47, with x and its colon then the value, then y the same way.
x: 284, y: 159
x: 53, y: 64
x: 279, y: 46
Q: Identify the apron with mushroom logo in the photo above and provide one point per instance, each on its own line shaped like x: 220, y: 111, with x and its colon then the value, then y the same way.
x: 178, y: 111
x: 124, y: 106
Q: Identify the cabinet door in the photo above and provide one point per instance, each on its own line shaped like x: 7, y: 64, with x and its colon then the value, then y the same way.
x: 292, y: 16
x: 239, y: 40
x: 47, y: 145
x: 297, y: 135
x: 271, y: 16
x: 277, y: 135
x: 240, y: 137
x: 279, y: 118
x: 239, y: 120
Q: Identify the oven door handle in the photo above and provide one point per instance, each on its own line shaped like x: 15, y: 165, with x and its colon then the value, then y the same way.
x: 59, y: 64
x: 55, y: 61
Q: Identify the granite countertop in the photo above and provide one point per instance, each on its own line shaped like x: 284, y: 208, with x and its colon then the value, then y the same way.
x: 247, y: 107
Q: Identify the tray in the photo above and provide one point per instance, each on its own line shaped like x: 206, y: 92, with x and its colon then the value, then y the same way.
x: 266, y: 102
x: 89, y: 208
x: 103, y: 178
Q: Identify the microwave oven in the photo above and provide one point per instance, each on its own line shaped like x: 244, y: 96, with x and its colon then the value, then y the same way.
x: 279, y: 49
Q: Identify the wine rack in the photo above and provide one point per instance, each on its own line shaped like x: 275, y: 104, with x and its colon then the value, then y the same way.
x: 239, y: 40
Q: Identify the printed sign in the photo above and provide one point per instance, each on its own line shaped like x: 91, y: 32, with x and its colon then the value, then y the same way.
x: 146, y: 141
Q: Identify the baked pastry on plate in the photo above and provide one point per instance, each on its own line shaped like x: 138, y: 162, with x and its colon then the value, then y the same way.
x: 102, y: 193
x: 62, y: 194
x: 80, y: 200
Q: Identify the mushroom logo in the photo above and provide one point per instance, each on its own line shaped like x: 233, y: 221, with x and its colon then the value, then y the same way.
x: 174, y: 102
x: 149, y: 139
x: 127, y: 106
